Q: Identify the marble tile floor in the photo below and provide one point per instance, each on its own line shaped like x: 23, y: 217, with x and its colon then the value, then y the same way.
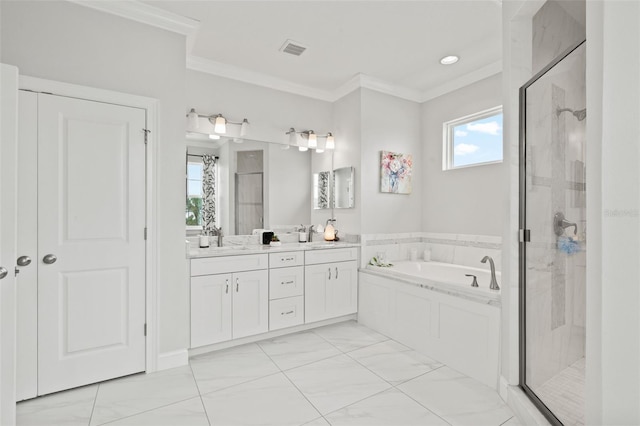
x: 564, y: 394
x: 343, y: 374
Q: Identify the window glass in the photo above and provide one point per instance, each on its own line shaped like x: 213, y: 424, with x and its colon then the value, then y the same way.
x: 473, y: 140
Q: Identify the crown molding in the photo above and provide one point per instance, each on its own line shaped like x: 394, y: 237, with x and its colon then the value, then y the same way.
x: 233, y: 72
x: 464, y: 80
x: 146, y: 14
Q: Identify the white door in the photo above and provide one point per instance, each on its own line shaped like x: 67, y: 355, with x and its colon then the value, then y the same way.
x: 210, y: 309
x: 250, y: 303
x: 8, y: 156
x: 91, y: 261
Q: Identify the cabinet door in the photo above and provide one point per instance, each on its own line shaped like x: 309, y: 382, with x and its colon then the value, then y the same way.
x: 316, y: 297
x: 343, y: 289
x: 210, y: 309
x: 250, y: 303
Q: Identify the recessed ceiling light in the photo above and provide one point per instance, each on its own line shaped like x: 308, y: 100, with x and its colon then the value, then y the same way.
x: 449, y: 60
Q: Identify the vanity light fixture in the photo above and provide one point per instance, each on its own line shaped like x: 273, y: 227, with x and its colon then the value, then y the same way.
x: 214, y: 137
x: 218, y: 121
x: 449, y: 60
x: 312, y: 140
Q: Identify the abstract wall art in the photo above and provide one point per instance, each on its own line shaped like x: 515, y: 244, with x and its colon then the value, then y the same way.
x: 395, y: 172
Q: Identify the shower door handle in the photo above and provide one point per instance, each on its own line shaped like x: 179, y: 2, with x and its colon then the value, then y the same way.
x: 560, y: 224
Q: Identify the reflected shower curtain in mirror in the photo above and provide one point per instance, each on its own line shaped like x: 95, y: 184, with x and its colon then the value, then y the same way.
x: 209, y: 193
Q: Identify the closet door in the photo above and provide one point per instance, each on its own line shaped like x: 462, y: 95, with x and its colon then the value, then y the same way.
x: 91, y: 261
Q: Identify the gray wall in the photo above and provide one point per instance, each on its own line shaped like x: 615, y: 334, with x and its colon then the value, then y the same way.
x: 65, y: 42
x: 467, y: 200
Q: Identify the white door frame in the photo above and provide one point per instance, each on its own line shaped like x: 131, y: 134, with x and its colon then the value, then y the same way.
x: 8, y: 157
x: 151, y: 106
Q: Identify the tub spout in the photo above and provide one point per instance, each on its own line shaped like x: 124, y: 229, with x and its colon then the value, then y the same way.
x: 494, y: 284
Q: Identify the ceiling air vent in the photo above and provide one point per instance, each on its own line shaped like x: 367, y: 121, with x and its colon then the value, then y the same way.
x: 293, y: 48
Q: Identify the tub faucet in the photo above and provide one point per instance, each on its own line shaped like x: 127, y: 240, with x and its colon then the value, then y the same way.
x: 218, y: 232
x: 494, y: 284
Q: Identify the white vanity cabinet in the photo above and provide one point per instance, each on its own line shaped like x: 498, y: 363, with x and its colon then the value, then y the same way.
x: 286, y: 289
x: 229, y: 298
x: 331, y: 284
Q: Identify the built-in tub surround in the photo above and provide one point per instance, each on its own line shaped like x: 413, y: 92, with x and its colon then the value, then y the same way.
x: 460, y: 249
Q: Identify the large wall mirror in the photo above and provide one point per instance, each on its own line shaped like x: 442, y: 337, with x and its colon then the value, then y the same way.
x: 257, y: 185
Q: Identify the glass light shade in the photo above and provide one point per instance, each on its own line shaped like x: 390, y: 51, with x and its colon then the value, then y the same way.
x: 329, y: 233
x: 215, y: 137
x: 331, y: 142
x: 303, y: 148
x: 313, y: 139
x: 192, y: 119
x: 220, y: 125
x: 243, y: 127
x: 319, y: 151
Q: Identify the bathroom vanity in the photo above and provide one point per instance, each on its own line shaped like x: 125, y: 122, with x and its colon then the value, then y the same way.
x: 243, y: 291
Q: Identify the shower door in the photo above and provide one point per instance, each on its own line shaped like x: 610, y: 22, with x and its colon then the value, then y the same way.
x: 553, y: 238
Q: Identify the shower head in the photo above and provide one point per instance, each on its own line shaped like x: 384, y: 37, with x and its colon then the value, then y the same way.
x: 580, y: 114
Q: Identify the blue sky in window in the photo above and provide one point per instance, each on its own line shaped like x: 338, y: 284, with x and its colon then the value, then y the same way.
x: 194, y: 180
x: 478, y: 141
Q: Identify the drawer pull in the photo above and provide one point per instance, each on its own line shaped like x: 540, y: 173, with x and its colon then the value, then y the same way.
x: 329, y: 273
x: 287, y: 259
x: 286, y: 282
x: 237, y: 284
x: 287, y: 313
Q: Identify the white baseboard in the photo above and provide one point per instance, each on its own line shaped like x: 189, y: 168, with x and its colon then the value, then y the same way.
x: 173, y: 359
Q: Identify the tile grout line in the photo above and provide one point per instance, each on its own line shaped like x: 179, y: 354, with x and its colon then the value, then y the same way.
x: 506, y: 421
x: 293, y: 384
x: 146, y: 411
x: 93, y: 407
x: 206, y: 413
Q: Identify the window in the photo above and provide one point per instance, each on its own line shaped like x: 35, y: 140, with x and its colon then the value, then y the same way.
x: 473, y: 140
x: 194, y: 191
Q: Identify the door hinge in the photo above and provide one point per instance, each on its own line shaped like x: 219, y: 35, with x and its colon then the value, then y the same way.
x: 145, y: 233
x: 145, y: 328
x: 146, y: 135
x: 524, y: 235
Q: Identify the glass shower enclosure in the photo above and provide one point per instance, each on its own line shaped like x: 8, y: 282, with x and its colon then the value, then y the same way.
x: 553, y: 238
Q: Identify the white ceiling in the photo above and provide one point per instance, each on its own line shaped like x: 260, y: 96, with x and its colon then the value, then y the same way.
x: 397, y: 43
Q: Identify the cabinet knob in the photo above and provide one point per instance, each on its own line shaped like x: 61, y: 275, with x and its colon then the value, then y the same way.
x: 227, y: 290
x: 24, y: 261
x: 329, y: 273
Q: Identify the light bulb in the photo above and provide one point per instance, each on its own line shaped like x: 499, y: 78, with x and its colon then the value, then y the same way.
x: 215, y: 137
x: 192, y: 119
x: 319, y: 151
x: 302, y: 148
x: 220, y: 125
x: 313, y: 140
x: 331, y: 142
x: 243, y: 127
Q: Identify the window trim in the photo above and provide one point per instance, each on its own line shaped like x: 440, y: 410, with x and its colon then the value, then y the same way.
x: 448, y: 138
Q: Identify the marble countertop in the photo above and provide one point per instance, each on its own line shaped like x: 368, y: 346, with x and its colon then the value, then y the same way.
x: 237, y: 250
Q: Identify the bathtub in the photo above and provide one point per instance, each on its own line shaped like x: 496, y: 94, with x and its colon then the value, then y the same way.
x: 446, y: 278
x: 432, y: 308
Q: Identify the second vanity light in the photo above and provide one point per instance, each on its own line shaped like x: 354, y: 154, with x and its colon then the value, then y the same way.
x: 218, y: 121
x: 312, y: 140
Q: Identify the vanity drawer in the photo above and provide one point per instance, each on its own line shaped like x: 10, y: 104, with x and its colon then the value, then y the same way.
x: 289, y: 258
x: 226, y: 264
x: 330, y: 255
x: 286, y: 282
x: 286, y: 312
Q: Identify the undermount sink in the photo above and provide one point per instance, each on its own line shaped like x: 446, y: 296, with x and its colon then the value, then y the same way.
x: 322, y: 244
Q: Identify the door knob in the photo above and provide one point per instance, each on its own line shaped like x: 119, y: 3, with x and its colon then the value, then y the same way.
x: 3, y: 272
x: 24, y: 261
x: 49, y: 259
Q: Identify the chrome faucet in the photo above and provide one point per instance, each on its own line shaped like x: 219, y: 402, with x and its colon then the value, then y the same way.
x: 494, y: 284
x: 312, y: 230
x: 218, y: 232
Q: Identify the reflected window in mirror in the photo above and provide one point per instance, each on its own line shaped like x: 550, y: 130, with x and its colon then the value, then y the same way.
x: 194, y: 192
